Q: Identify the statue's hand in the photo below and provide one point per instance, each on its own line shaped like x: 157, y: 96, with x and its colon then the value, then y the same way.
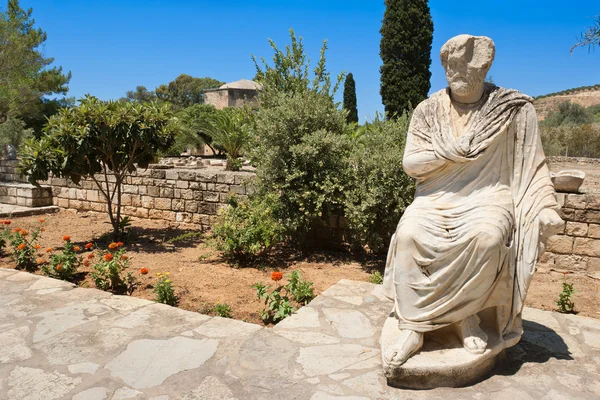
x: 550, y: 222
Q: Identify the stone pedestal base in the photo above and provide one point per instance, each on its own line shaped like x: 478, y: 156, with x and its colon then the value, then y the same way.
x: 443, y: 361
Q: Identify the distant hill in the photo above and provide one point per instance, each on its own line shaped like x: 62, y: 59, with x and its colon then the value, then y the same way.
x: 584, y: 95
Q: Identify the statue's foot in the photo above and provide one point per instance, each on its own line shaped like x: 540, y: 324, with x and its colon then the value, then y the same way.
x: 474, y: 339
x: 406, y: 344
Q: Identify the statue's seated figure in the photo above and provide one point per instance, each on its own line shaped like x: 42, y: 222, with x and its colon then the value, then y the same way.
x: 484, y: 203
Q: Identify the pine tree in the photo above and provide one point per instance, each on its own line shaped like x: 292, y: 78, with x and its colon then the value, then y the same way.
x: 350, y: 99
x: 406, y: 36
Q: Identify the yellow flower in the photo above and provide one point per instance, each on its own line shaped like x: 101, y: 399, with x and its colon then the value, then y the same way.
x: 166, y: 273
x: 167, y: 281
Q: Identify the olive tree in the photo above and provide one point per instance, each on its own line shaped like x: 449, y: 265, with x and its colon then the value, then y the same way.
x: 103, y: 141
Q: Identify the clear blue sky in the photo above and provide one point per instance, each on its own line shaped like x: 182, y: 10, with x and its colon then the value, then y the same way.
x: 112, y: 46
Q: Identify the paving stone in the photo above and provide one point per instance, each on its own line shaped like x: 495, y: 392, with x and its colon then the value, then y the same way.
x: 592, y: 339
x: 308, y: 337
x: 97, y: 393
x: 327, y: 396
x: 225, y: 327
x: 35, y: 384
x: 125, y: 303
x: 323, y: 360
x: 49, y: 283
x: 348, y: 323
x: 211, y: 388
x: 371, y: 384
x: 304, y: 318
x: 13, y: 345
x: 339, y: 377
x: 124, y: 393
x: 147, y: 363
x: 84, y: 368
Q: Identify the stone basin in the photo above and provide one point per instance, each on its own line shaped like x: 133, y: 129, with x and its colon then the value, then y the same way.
x: 567, y: 181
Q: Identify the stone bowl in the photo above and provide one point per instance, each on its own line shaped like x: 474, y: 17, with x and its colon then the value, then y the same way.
x: 568, y: 181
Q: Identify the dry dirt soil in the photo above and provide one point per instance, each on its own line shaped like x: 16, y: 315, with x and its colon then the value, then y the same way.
x: 585, y: 98
x: 202, y: 277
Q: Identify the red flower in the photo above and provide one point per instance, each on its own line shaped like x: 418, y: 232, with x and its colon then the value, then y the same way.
x: 144, y: 270
x: 113, y: 246
x: 17, y: 230
x: 91, y: 255
x: 7, y: 222
x: 42, y: 221
x: 49, y: 249
x: 276, y: 276
x: 37, y: 246
x: 24, y: 233
x: 120, y: 244
x: 58, y: 267
x: 89, y: 246
x: 86, y: 262
x: 77, y: 248
x: 66, y: 238
x: 108, y: 257
x: 124, y: 257
x: 42, y: 229
x: 21, y: 246
x: 40, y: 261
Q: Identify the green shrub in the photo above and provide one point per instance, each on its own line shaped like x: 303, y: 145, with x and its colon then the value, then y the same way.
x: 376, y: 278
x: 302, y: 291
x: 64, y: 265
x: 572, y: 140
x: 222, y: 310
x: 247, y: 228
x: 165, y: 293
x: 24, y: 244
x: 108, y: 272
x: 378, y: 191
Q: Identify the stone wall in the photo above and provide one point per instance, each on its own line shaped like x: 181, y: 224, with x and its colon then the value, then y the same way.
x: 9, y: 171
x: 577, y: 249
x: 178, y: 195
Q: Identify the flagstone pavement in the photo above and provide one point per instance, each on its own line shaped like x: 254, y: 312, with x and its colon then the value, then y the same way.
x: 58, y: 341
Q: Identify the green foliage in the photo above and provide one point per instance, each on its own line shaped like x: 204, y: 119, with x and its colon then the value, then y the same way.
x: 193, y: 133
x: 379, y: 190
x: 568, y: 114
x: 186, y: 237
x: 100, y: 140
x: 64, y: 265
x: 13, y: 132
x: 24, y: 244
x: 301, y: 290
x: 376, y: 278
x: 350, y: 99
x: 186, y: 90
x: 230, y: 129
x: 247, y: 228
x: 165, y: 293
x: 26, y: 74
x: 565, y: 299
x: 222, y: 310
x: 572, y: 141
x: 278, y: 305
x: 594, y: 112
x: 140, y: 95
x: 300, y: 151
x: 290, y: 73
x: 406, y: 37
x: 108, y: 272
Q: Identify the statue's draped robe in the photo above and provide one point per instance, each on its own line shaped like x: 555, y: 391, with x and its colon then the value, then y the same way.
x: 469, y: 240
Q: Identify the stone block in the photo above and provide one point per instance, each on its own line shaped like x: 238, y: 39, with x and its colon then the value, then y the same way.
x: 593, y: 201
x: 147, y: 202
x: 228, y: 178
x: 136, y: 200
x: 570, y: 262
x: 75, y: 204
x: 182, y: 184
x: 576, y: 229
x: 189, y: 194
x: 176, y: 193
x: 126, y: 199
x: 577, y: 201
x: 153, y: 191
x: 158, y: 173
x: 587, y: 247
x: 93, y: 195
x: 167, y: 192
x: 63, y: 203
x: 207, y: 208
x: 206, y: 176
x: 178, y: 205
x: 143, y: 189
x: 136, y: 212
x: 187, y: 175
x: 162, y: 203
x: 132, y: 189
x: 191, y: 206
x: 98, y: 207
x: 155, y: 214
x: 560, y: 244
x: 197, y: 186
x: 594, y: 231
x: 593, y: 264
x: 210, y: 196
x: 237, y: 189
x: 172, y: 175
x: 221, y: 187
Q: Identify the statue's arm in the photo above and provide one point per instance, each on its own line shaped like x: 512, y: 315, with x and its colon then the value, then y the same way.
x: 419, y: 158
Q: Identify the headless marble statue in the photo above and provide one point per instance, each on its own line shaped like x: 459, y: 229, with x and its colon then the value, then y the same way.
x: 484, y: 205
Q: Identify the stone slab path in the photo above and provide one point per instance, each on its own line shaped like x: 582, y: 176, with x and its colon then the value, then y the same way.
x: 11, y: 210
x: 58, y: 341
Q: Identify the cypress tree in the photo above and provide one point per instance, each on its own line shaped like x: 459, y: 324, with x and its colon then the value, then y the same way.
x: 350, y: 99
x: 406, y: 36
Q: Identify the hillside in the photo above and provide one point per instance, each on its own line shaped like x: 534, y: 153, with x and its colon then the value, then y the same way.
x: 585, y: 96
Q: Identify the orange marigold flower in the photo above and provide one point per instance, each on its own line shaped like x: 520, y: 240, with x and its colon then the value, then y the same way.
x: 42, y: 221
x: 77, y: 248
x: 120, y: 244
x: 66, y: 238
x: 113, y: 246
x: 21, y: 246
x: 42, y: 229
x: 89, y: 246
x: 86, y: 262
x: 58, y: 267
x: 17, y: 230
x: 276, y: 276
x: 49, y: 249
x: 24, y: 233
x: 124, y: 257
x: 40, y: 261
x: 37, y: 247
x: 108, y: 257
x: 144, y: 270
x: 91, y: 255
x: 7, y: 222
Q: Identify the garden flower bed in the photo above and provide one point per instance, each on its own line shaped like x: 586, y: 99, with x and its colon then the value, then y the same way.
x: 157, y: 251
